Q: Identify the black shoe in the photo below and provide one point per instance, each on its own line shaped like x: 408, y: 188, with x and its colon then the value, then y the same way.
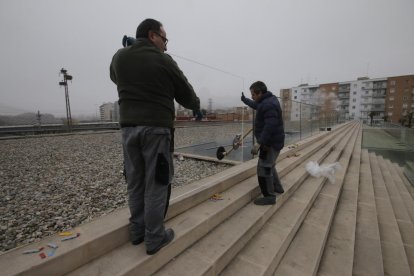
x: 267, y: 200
x: 136, y: 241
x: 279, y: 189
x: 169, y: 236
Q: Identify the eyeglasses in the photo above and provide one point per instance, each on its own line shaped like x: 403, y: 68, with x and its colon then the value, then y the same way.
x: 162, y: 37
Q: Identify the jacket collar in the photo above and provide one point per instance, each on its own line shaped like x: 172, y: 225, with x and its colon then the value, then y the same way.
x: 266, y: 95
x: 144, y: 42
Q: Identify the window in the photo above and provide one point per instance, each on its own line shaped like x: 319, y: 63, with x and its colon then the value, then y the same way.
x: 354, y: 93
x: 296, y: 91
x: 392, y: 90
x: 353, y: 107
x: 354, y: 100
x: 390, y: 106
x: 404, y: 98
x: 391, y: 98
x: 405, y: 105
x: 389, y: 113
x: 295, y: 97
x: 392, y: 83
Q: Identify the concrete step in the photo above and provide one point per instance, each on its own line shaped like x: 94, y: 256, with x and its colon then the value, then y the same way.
x: 368, y: 254
x: 264, y: 251
x: 213, y: 252
x: 304, y: 253
x: 405, y: 225
x: 408, y: 185
x: 405, y: 194
x: 394, y: 255
x: 339, y: 248
x: 189, y: 227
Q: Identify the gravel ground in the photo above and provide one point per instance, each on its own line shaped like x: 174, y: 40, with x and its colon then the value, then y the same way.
x: 53, y: 183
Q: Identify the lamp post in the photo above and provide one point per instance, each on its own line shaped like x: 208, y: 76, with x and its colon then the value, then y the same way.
x: 64, y: 83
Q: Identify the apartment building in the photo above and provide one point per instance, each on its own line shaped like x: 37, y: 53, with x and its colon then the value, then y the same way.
x: 389, y: 99
x: 399, y: 98
x: 312, y: 101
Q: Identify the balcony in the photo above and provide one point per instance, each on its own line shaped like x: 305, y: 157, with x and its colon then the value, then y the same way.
x: 378, y: 101
x: 378, y: 95
x: 344, y: 88
x: 378, y: 108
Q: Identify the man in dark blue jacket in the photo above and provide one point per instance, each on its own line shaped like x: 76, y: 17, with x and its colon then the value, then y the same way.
x: 270, y: 137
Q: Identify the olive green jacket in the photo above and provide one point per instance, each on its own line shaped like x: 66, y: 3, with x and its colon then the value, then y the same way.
x: 148, y: 81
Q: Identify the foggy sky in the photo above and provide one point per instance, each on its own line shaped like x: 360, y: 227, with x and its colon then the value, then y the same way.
x: 283, y: 43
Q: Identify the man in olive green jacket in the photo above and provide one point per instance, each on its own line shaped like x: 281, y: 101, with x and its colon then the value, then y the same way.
x: 148, y: 82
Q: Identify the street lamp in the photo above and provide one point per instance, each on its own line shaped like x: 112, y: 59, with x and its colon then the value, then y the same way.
x: 64, y: 83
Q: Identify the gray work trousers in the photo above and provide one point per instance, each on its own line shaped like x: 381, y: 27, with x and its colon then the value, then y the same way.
x: 266, y: 172
x: 149, y: 170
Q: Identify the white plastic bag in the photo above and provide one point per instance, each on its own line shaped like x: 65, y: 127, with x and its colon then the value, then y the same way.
x: 324, y: 170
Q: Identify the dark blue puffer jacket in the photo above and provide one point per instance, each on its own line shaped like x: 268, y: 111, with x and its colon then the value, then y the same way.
x: 269, y: 129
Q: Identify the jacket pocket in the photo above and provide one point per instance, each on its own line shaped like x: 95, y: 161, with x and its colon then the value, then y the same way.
x: 162, y: 172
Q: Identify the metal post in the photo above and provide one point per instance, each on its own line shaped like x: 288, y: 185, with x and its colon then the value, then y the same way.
x: 300, y: 121
x: 64, y: 83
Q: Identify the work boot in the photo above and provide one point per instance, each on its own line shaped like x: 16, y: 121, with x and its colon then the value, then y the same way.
x: 267, y: 200
x: 168, y: 237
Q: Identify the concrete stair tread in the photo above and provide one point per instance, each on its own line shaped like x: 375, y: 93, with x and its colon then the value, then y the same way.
x: 304, y: 253
x: 394, y: 255
x: 339, y: 248
x: 405, y: 225
x: 404, y: 193
x: 406, y: 182
x: 368, y: 253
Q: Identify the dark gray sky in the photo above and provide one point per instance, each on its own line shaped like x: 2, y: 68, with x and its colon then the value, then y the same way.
x: 282, y: 43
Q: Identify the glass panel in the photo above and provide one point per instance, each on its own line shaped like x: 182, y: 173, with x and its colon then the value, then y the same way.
x: 226, y: 119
